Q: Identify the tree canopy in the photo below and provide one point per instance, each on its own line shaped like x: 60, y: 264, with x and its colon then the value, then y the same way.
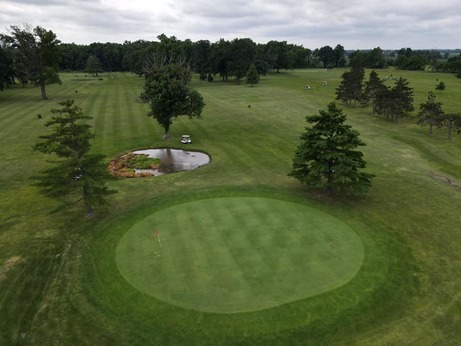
x: 168, y: 92
x: 430, y: 112
x: 93, y: 65
x: 326, y: 157
x: 38, y: 55
x: 252, y: 75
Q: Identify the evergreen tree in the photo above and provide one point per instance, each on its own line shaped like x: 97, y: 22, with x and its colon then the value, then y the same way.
x: 374, y: 88
x: 252, y: 75
x: 440, y: 86
x: 326, y: 157
x: 76, y: 172
x: 396, y: 102
x: 350, y: 88
x: 430, y: 112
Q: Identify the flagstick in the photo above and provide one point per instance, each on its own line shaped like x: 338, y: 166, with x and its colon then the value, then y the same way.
x: 158, y: 236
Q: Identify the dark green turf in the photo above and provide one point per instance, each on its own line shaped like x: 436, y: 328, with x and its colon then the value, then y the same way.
x: 238, y: 254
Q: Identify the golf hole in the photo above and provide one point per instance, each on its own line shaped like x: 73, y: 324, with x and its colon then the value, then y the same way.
x: 238, y: 254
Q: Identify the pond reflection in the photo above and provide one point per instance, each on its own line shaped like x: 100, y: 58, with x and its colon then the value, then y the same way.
x: 173, y: 160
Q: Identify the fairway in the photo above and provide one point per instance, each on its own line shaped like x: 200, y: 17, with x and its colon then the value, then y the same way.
x: 248, y: 256
x: 238, y: 254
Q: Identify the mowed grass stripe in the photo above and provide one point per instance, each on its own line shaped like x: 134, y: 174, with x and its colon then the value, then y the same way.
x: 239, y: 254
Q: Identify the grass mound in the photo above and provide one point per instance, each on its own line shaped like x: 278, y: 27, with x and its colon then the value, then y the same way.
x: 238, y: 254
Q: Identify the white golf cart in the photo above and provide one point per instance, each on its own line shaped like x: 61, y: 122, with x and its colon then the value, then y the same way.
x: 185, y: 139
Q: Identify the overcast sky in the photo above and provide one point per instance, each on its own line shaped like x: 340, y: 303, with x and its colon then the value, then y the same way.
x: 355, y: 24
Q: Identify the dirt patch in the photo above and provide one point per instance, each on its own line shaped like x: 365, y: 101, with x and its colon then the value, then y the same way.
x: 133, y: 166
x: 445, y: 179
x: 9, y: 264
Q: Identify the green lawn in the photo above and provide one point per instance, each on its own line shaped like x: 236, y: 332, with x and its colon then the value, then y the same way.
x: 61, y: 276
x: 238, y: 254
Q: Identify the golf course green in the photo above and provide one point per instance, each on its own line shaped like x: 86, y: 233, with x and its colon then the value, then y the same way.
x: 238, y: 254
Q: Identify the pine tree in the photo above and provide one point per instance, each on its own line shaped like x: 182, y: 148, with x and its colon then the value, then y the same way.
x: 76, y: 171
x: 350, y: 88
x: 396, y: 102
x: 374, y: 88
x: 326, y: 157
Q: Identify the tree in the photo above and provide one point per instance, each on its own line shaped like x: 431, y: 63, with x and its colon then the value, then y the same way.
x: 350, y: 88
x: 40, y: 51
x: 440, y: 86
x: 430, y: 112
x: 339, y: 56
x: 220, y: 56
x: 277, y: 55
x: 76, y: 172
x: 4, y: 67
x: 375, y: 58
x: 396, y: 102
x: 452, y: 122
x: 252, y: 75
x: 93, y: 65
x: 453, y: 65
x: 374, y: 88
x: 169, y: 95
x: 242, y: 53
x: 326, y: 55
x: 326, y: 157
x: 202, y: 58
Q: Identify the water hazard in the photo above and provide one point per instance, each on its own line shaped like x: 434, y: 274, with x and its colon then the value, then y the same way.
x: 173, y: 160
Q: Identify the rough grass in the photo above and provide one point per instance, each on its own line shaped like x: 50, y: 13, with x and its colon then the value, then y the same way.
x: 68, y: 289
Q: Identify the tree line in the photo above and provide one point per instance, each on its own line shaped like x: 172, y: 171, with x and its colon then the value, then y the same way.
x: 35, y: 55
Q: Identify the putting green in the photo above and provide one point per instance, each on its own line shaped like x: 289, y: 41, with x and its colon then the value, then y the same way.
x: 238, y: 254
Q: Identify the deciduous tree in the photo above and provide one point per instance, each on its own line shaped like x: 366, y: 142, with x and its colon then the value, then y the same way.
x: 452, y: 122
x: 39, y: 49
x: 430, y: 112
x: 326, y: 157
x: 168, y: 92
x: 93, y: 65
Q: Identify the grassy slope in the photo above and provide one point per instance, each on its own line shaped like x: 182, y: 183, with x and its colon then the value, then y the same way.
x: 67, y: 291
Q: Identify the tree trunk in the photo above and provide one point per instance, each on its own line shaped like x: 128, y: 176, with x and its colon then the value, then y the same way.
x: 430, y: 128
x: 166, y: 127
x: 43, y: 91
x: 89, y: 208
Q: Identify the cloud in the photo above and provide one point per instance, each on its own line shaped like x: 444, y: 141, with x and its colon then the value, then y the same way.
x: 355, y: 24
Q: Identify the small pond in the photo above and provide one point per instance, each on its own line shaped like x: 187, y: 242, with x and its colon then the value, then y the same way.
x: 174, y: 160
